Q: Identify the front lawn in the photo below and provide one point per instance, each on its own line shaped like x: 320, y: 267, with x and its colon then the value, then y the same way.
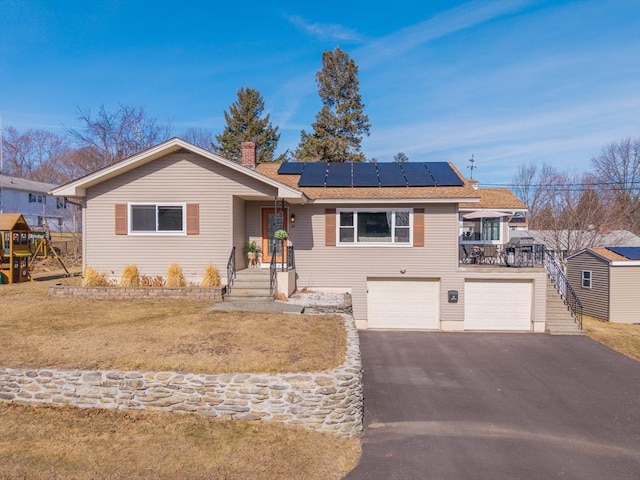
x: 621, y: 337
x: 68, y: 443
x: 39, y: 331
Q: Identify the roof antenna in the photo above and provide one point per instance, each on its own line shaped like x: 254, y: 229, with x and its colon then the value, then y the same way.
x: 471, y: 167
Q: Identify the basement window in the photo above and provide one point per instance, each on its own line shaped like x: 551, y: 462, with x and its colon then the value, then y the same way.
x: 586, y: 278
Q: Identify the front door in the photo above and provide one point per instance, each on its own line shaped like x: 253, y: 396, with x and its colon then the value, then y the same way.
x: 272, y: 220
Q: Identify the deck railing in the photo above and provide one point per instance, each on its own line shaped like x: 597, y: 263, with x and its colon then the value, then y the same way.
x: 559, y: 279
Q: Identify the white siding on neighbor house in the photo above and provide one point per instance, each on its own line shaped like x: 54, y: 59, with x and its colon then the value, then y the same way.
x: 595, y: 300
x: 624, y: 288
x: 178, y: 177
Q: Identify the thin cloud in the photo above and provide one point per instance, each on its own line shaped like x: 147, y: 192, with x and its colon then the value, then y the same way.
x: 450, y: 21
x: 325, y: 31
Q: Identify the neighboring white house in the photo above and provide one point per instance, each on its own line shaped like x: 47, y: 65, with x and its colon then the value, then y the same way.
x: 37, y: 206
x: 569, y: 242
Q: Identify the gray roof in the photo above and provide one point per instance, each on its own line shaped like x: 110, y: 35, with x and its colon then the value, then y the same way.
x: 580, y: 239
x: 15, y: 183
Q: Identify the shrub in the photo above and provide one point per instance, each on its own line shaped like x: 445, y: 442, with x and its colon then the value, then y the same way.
x: 211, y: 277
x: 281, y: 296
x: 93, y: 278
x: 130, y: 277
x: 156, y: 281
x: 175, y: 277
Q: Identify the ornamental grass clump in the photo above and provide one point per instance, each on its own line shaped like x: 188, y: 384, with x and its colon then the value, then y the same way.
x: 175, y: 277
x: 93, y: 278
x: 130, y: 277
x: 156, y: 281
x: 211, y: 277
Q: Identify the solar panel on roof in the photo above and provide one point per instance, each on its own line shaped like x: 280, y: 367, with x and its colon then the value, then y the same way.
x: 417, y: 175
x: 444, y: 175
x: 391, y: 175
x: 291, y: 168
x: 339, y: 174
x: 630, y: 253
x: 365, y: 175
x: 313, y: 175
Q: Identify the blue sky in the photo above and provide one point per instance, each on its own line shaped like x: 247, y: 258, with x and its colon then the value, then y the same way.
x: 509, y: 82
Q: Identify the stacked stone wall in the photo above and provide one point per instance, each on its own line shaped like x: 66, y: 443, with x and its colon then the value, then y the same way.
x: 330, y: 401
x: 96, y: 293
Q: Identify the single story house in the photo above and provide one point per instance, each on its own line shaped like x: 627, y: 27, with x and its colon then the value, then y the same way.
x: 386, y: 233
x: 607, y: 282
x: 567, y: 242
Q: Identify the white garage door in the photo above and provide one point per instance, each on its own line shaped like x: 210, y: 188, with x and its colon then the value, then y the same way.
x: 412, y: 304
x: 497, y: 305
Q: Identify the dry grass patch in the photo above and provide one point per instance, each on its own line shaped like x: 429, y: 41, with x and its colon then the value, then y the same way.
x: 621, y: 337
x: 68, y: 443
x: 39, y: 331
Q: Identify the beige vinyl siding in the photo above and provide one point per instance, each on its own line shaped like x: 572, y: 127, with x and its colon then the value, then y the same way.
x: 179, y: 177
x: 624, y: 289
x: 348, y: 267
x: 595, y: 300
x: 239, y: 233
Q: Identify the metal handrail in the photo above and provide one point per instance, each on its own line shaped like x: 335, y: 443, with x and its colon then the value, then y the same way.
x: 272, y: 269
x: 231, y: 269
x: 559, y: 279
x: 291, y: 259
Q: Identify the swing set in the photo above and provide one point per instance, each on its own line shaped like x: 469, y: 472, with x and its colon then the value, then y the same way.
x: 20, y: 247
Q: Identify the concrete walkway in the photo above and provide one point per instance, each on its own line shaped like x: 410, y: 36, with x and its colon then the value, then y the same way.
x: 250, y: 305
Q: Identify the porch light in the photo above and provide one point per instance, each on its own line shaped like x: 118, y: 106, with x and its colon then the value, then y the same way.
x: 292, y: 218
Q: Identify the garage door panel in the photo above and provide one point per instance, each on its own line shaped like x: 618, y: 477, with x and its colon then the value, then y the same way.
x: 403, y: 304
x: 497, y: 305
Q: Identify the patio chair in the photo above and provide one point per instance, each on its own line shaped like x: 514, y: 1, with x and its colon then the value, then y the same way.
x: 468, y: 257
x: 490, y: 254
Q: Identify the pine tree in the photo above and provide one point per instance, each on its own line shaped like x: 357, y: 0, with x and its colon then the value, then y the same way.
x: 400, y: 157
x: 341, y: 122
x: 246, y: 124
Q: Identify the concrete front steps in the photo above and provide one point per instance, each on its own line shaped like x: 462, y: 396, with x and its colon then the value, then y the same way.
x: 250, y: 284
x: 559, y: 318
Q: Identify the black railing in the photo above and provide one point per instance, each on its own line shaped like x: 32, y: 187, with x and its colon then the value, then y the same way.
x: 272, y: 268
x: 231, y: 270
x: 291, y: 259
x: 288, y: 263
x: 559, y: 279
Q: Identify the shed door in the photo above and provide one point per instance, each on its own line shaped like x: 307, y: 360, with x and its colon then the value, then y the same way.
x: 403, y: 304
x: 497, y: 305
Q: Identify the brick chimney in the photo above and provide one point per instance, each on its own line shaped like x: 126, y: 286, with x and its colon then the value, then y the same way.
x: 248, y: 154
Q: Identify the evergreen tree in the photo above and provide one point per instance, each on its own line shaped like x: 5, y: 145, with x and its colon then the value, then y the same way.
x: 246, y: 124
x: 341, y: 122
x: 400, y: 157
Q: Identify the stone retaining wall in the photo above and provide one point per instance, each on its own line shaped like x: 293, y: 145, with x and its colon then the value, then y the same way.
x: 204, y: 293
x: 330, y: 401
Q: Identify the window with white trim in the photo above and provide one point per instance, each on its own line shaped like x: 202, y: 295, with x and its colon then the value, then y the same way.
x: 161, y: 218
x: 374, y: 227
x: 586, y: 278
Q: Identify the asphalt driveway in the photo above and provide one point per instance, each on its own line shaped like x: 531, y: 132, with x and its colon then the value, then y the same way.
x: 497, y: 406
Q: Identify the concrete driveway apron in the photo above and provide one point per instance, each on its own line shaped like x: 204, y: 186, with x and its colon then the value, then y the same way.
x: 497, y: 406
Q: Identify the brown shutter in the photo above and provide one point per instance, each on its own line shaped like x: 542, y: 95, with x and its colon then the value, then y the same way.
x: 330, y: 227
x: 193, y: 219
x: 418, y: 227
x: 121, y: 219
